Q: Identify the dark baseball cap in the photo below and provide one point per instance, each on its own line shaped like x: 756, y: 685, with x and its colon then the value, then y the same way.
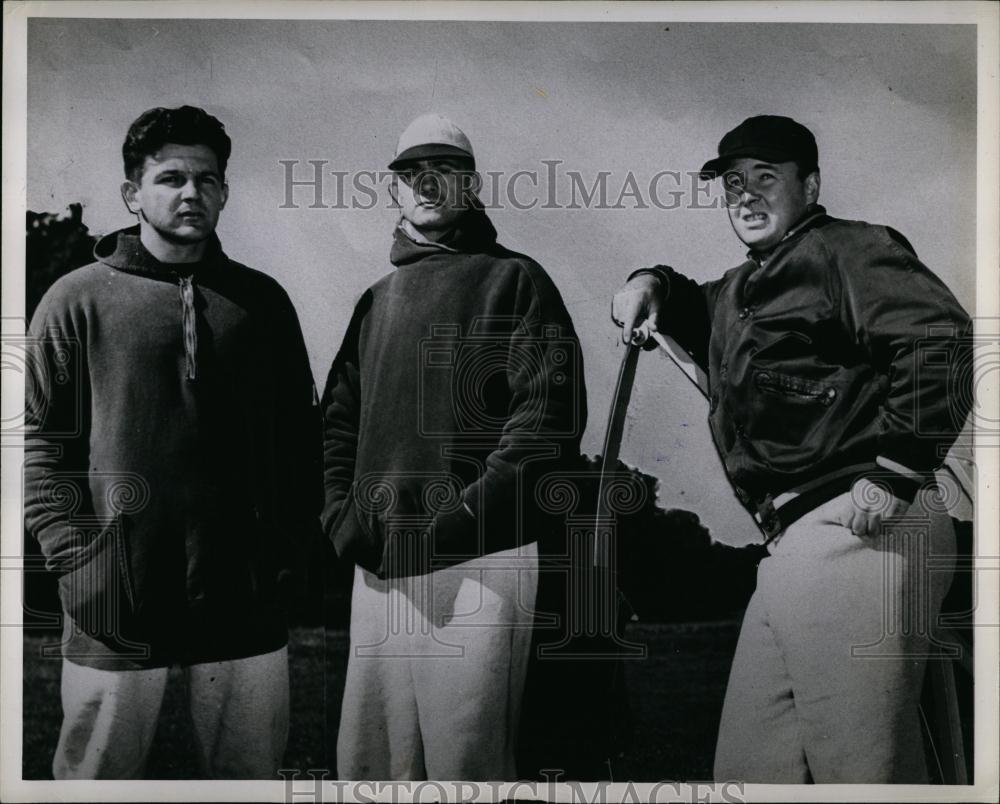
x: 768, y: 137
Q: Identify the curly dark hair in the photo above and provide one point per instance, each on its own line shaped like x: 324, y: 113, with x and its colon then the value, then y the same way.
x: 186, y: 125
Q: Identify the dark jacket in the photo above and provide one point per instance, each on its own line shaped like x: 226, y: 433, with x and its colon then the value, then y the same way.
x: 458, y: 385
x: 838, y: 349
x: 172, y: 466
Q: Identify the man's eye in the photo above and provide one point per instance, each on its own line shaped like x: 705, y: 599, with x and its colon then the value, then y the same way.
x: 766, y: 177
x: 171, y: 180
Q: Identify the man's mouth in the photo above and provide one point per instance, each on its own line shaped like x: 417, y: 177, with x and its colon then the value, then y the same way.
x: 754, y: 217
x: 192, y: 215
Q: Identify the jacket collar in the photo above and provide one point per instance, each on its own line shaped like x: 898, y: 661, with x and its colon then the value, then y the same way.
x: 124, y: 250
x: 815, y: 215
x: 474, y: 234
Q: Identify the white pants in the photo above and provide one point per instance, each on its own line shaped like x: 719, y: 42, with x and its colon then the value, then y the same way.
x: 436, y: 671
x: 828, y: 672
x: 239, y: 709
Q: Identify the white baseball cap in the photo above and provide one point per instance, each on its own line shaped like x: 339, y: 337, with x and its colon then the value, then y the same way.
x: 428, y: 136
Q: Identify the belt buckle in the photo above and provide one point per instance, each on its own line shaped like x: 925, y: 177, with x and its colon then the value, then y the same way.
x: 767, y: 517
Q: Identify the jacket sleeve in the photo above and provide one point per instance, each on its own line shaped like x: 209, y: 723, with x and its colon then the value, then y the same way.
x: 298, y: 433
x: 918, y: 338
x: 545, y: 419
x: 686, y: 312
x: 56, y: 445
x: 341, y: 412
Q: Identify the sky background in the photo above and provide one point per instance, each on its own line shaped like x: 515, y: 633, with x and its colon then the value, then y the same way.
x: 892, y: 106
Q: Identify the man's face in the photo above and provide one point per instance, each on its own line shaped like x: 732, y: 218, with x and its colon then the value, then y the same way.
x: 434, y: 193
x: 180, y: 193
x: 766, y: 199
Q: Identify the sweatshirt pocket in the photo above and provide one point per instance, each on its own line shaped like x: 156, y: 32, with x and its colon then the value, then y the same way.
x: 269, y: 563
x: 357, y: 541
x: 98, y: 592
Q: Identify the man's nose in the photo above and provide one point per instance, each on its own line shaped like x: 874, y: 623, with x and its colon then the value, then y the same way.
x: 191, y: 189
x: 430, y: 184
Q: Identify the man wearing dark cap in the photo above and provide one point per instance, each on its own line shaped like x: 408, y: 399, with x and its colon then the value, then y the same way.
x: 458, y: 385
x: 171, y: 471
x: 828, y: 423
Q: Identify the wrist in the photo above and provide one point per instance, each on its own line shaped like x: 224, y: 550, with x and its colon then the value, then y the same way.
x: 654, y: 275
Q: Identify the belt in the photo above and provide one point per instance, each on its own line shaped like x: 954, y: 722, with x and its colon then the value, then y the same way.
x: 774, y: 514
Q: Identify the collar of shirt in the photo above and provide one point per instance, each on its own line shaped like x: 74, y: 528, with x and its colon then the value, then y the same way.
x: 813, y: 211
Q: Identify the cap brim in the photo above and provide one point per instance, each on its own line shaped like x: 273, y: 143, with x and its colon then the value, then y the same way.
x: 430, y: 151
x: 714, y: 167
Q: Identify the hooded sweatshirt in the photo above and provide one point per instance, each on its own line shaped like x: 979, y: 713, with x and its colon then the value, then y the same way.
x: 172, y: 456
x: 456, y: 395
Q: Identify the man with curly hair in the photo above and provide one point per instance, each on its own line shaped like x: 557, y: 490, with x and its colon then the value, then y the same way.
x: 179, y: 419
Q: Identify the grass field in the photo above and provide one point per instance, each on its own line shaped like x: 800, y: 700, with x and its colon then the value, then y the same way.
x: 674, y: 695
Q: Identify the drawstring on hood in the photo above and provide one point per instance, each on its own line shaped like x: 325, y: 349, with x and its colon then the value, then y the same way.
x: 124, y: 251
x: 190, y: 327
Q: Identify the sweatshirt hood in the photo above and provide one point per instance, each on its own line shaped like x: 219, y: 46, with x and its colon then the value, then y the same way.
x: 474, y: 234
x: 124, y: 250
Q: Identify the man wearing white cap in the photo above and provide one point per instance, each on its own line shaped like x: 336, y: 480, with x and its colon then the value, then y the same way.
x: 458, y: 386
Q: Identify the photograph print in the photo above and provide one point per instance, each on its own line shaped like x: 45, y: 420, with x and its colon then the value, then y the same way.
x: 501, y: 400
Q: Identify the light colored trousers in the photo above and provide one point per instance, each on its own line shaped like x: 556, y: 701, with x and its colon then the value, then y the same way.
x: 239, y: 709
x: 436, y: 671
x: 827, y: 677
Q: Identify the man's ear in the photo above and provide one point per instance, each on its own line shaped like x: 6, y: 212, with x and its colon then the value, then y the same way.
x: 225, y: 195
x: 130, y: 195
x: 812, y: 187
